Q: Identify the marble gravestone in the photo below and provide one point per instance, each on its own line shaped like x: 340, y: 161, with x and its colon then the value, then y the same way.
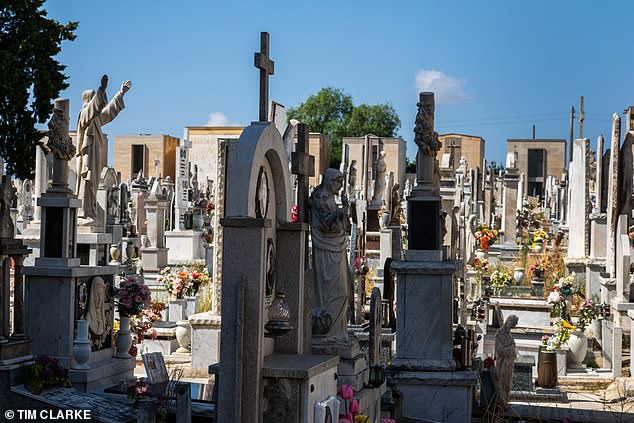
x: 265, y: 375
x: 423, y: 367
x: 58, y: 286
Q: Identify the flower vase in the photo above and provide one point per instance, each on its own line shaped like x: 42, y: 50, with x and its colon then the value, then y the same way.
x: 81, y: 346
x: 177, y: 309
x: 595, y: 327
x: 577, y: 348
x: 115, y: 253
x: 191, y: 306
x: 183, y: 336
x: 519, y: 275
x: 537, y: 287
x: 481, y: 254
x: 547, y: 369
x: 538, y: 247
x: 198, y: 221
x: 124, y: 338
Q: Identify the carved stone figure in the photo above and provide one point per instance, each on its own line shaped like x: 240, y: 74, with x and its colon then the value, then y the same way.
x: 408, y: 189
x: 95, y: 112
x: 424, y: 135
x: 511, y: 159
x: 330, y: 224
x: 98, y: 324
x: 379, y: 181
x: 26, y: 201
x: 505, y: 355
x: 352, y: 178
x: 396, y: 206
x: 8, y: 194
x: 59, y: 141
x: 193, y: 183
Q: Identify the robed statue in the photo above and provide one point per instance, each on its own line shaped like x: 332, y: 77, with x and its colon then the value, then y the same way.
x: 95, y: 112
x: 329, y: 224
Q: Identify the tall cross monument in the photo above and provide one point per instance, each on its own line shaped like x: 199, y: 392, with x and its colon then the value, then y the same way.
x: 266, y: 66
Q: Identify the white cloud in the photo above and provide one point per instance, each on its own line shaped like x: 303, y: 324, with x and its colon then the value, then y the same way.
x: 219, y: 119
x: 447, y: 89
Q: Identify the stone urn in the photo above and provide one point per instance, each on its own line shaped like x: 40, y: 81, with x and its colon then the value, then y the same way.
x: 81, y: 346
x: 183, y: 336
x: 547, y: 369
x: 538, y: 247
x: 385, y: 219
x: 115, y: 253
x: 519, y: 275
x: 537, y: 287
x: 577, y: 348
x: 124, y: 337
x: 130, y: 249
x: 177, y: 309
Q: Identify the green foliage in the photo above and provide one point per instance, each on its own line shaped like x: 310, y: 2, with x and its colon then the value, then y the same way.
x: 332, y: 113
x: 30, y: 79
x: 410, y: 166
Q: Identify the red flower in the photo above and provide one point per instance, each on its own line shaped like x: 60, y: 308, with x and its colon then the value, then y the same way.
x: 346, y: 392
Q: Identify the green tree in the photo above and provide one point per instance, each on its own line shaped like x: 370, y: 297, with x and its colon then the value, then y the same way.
x: 30, y: 78
x: 380, y: 120
x: 332, y: 113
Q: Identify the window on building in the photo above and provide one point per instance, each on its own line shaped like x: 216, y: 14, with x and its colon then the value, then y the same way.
x: 138, y: 159
x: 536, y: 172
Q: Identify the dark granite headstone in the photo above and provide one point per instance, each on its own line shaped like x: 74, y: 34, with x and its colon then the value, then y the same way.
x: 423, y: 224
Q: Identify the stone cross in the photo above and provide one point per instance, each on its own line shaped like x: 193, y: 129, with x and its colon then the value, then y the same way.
x: 266, y: 66
x: 302, y: 165
x: 156, y: 167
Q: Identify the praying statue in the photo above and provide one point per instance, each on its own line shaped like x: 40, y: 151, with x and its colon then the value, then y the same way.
x: 505, y: 355
x: 95, y: 113
x: 333, y: 290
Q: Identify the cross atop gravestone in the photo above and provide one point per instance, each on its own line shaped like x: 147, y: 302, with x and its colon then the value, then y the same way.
x: 302, y: 165
x: 266, y: 66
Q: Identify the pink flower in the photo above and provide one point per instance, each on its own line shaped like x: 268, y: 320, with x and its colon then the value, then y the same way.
x: 354, y: 407
x: 346, y: 392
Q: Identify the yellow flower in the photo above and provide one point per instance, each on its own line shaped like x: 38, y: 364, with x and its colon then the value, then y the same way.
x: 568, y: 325
x: 116, y: 326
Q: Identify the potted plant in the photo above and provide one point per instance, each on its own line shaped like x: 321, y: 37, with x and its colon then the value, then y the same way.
x: 537, y: 270
x: 547, y: 358
x: 485, y: 238
x: 131, y: 298
x: 539, y: 238
x: 174, y: 283
x: 44, y: 372
x: 578, y: 343
x: 499, y: 279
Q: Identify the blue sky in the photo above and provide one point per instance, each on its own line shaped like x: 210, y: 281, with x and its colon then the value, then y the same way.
x: 497, y: 67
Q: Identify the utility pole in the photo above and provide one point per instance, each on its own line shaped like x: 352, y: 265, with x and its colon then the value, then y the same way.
x: 581, y: 117
x: 572, y: 123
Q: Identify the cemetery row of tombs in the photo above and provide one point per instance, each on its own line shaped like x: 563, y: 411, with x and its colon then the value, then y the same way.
x: 303, y: 292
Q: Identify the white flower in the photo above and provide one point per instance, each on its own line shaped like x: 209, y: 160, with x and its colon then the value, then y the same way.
x: 553, y: 297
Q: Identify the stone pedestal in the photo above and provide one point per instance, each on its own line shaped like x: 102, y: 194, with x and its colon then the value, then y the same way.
x: 294, y: 383
x: 423, y: 367
x: 205, y: 340
x: 184, y: 246
x: 439, y: 396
